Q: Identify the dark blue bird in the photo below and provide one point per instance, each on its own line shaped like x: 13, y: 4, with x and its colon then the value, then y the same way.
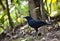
x: 35, y: 23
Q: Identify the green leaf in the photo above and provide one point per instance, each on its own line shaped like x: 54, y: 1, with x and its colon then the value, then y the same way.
x: 1, y: 30
x: 54, y: 13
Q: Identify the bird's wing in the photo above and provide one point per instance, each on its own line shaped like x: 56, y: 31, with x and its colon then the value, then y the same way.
x: 40, y: 22
x: 36, y: 23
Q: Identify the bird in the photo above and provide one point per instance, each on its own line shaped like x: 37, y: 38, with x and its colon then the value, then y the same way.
x: 35, y: 23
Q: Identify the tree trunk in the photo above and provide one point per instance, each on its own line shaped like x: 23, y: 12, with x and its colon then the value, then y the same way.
x: 32, y: 10
x: 37, y: 4
x: 42, y: 10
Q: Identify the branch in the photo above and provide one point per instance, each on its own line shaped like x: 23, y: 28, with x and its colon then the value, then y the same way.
x: 8, y: 13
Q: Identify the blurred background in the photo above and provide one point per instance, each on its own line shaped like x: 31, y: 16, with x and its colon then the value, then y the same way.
x: 13, y: 11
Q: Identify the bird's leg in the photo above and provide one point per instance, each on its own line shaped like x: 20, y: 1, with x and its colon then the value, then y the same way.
x: 36, y: 33
x: 36, y: 30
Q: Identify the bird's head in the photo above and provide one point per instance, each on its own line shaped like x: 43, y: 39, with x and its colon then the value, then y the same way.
x: 28, y: 17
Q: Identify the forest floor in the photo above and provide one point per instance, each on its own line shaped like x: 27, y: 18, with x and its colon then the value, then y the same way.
x: 48, y: 33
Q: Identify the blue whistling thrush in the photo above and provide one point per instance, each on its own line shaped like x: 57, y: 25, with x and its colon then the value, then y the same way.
x: 35, y: 23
